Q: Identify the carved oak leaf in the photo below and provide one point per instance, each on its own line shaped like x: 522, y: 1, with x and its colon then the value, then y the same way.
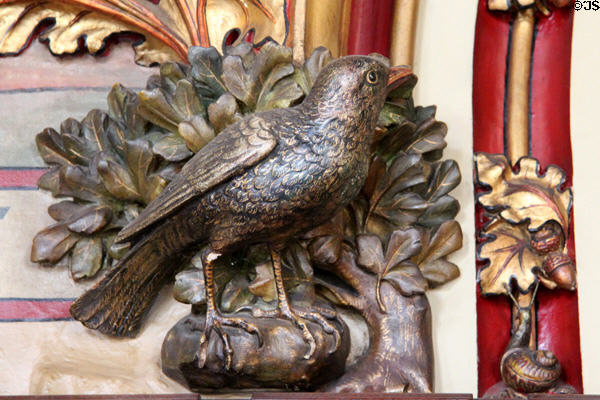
x: 422, y: 134
x: 189, y: 287
x: 170, y: 27
x: 319, y: 58
x: 391, y: 200
x: 443, y: 177
x: 524, y: 195
x: 268, y: 83
x: 75, y: 223
x: 108, y: 177
x: 176, y: 107
x: 437, y: 245
x: 325, y: 244
x: 223, y: 112
x: 264, y: 283
x: 87, y: 258
x: 511, y: 259
x: 93, y: 20
x: 297, y: 274
x: 393, y: 266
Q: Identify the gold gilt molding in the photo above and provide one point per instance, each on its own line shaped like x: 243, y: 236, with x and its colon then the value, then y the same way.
x: 327, y: 25
x: 170, y: 27
x: 402, y: 48
x: 519, y: 69
x: 517, y: 123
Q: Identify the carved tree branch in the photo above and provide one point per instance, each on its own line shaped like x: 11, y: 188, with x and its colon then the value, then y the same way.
x: 343, y: 296
x: 400, y: 356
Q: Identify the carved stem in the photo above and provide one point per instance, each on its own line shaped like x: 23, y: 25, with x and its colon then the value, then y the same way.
x: 519, y: 69
x: 403, y: 34
x: 323, y: 25
x: 347, y: 269
x: 517, y: 124
x: 299, y: 26
x: 343, y: 296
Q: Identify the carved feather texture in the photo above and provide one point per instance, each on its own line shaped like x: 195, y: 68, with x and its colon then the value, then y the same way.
x: 238, y: 147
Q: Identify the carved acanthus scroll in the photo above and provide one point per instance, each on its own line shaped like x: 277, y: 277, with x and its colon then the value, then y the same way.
x: 169, y: 27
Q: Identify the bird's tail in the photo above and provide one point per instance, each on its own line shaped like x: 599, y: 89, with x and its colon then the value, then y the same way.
x: 117, y: 304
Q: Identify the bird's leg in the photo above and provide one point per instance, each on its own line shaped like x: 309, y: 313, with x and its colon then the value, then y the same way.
x: 214, y: 320
x: 283, y: 305
x: 284, y: 310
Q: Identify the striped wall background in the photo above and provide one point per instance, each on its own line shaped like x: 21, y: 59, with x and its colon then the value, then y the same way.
x: 41, y: 350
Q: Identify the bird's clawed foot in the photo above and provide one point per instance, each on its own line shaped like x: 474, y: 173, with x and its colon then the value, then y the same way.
x: 298, y: 316
x: 216, y: 322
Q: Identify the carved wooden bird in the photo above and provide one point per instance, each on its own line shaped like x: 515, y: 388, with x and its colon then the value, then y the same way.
x: 265, y: 179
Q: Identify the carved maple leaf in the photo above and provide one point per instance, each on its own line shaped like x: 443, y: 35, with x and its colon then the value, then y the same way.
x: 525, y: 195
x: 170, y: 27
x: 511, y: 260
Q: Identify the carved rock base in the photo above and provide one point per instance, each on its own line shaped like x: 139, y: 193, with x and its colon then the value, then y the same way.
x: 279, y: 363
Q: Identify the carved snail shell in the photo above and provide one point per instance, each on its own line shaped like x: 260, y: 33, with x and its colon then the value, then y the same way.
x: 527, y: 370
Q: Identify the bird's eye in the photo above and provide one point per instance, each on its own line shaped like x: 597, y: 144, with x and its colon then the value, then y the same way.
x: 372, y: 77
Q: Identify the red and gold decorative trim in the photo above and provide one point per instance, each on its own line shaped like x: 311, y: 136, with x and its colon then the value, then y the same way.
x: 169, y: 28
x: 523, y: 110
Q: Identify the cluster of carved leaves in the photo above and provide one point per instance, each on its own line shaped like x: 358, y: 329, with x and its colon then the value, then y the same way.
x: 245, y: 280
x: 169, y: 27
x: 414, y: 259
x: 401, y: 227
x: 110, y: 165
x: 521, y: 201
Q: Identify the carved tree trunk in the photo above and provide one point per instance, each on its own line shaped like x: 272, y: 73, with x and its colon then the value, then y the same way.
x: 400, y: 355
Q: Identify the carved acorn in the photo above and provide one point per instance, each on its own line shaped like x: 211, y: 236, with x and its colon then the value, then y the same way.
x: 560, y: 268
x: 527, y: 370
x: 547, y: 239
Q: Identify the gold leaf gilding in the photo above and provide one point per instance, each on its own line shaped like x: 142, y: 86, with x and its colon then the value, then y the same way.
x: 524, y: 195
x: 522, y: 203
x: 511, y: 259
x: 169, y: 27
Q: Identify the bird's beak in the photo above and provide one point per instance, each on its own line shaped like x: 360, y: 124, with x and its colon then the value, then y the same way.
x: 398, y: 76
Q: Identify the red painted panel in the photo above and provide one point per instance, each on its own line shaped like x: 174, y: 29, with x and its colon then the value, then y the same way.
x: 20, y: 177
x: 489, y: 70
x: 558, y: 316
x: 16, y: 310
x: 370, y: 27
x: 550, y: 84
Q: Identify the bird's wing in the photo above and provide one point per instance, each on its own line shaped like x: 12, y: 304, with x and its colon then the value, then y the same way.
x: 235, y: 149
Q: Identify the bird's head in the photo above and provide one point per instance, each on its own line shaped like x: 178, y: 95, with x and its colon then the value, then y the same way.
x: 354, y: 87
